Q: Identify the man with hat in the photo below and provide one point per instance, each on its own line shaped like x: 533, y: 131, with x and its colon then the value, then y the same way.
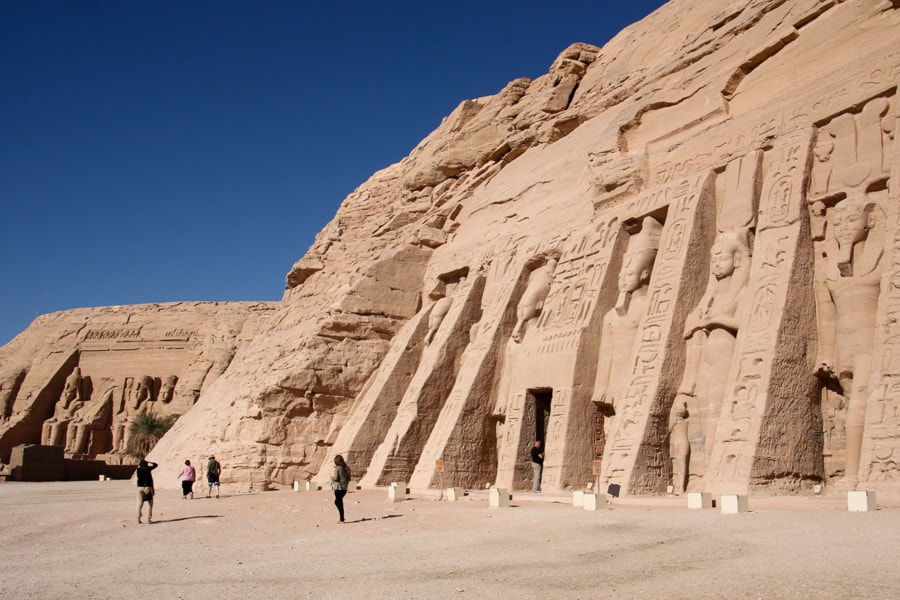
x: 213, y: 468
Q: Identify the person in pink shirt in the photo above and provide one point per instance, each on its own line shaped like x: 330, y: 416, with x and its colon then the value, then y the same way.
x: 188, y: 477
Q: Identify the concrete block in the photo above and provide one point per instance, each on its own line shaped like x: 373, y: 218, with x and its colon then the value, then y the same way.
x: 594, y: 501
x: 455, y: 494
x: 312, y: 486
x: 699, y: 500
x: 397, y: 491
x: 296, y: 486
x: 499, y: 498
x: 861, y: 501
x: 734, y: 503
x: 578, y: 498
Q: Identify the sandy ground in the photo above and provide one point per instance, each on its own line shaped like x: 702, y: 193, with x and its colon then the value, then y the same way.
x: 82, y: 540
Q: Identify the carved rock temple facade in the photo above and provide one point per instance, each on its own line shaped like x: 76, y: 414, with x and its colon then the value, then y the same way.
x: 674, y: 259
x: 76, y: 379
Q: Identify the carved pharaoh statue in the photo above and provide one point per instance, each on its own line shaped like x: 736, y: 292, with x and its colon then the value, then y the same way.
x: 54, y: 430
x: 620, y: 324
x: 710, y: 332
x: 94, y: 416
x: 533, y: 298
x: 141, y: 393
x: 854, y: 245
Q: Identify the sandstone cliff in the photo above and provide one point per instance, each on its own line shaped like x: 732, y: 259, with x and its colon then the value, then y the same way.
x: 672, y: 259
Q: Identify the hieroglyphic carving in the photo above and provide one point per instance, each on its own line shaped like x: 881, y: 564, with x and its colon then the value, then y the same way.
x: 776, y: 249
x: 131, y: 333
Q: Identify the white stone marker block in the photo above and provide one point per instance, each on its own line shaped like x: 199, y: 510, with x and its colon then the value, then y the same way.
x: 861, y: 501
x: 594, y: 501
x: 102, y: 478
x: 699, y: 500
x: 499, y: 498
x: 312, y: 486
x: 578, y: 498
x: 397, y: 491
x: 296, y: 486
x: 733, y: 504
x: 455, y: 494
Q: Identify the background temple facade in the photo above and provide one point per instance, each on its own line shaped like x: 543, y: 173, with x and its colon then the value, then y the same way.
x: 673, y: 259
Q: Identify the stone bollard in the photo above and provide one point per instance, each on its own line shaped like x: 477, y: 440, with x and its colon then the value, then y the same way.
x: 455, y: 494
x: 296, y: 486
x: 578, y: 499
x: 312, y: 486
x: 102, y: 478
x: 397, y: 491
x: 499, y: 498
x: 699, y: 500
x: 594, y: 501
x: 733, y: 504
x: 861, y: 501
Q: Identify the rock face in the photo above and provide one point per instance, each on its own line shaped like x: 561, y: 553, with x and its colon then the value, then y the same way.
x: 76, y: 379
x: 674, y: 260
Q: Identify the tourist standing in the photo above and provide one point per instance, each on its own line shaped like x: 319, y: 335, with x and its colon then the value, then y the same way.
x: 188, y: 477
x: 339, y: 482
x: 145, y: 488
x: 213, y: 470
x: 537, y: 465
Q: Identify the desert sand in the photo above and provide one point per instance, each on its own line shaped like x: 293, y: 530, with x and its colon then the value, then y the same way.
x: 82, y: 540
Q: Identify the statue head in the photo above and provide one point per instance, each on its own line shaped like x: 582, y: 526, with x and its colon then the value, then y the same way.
x: 850, y: 221
x: 143, y: 390
x: 167, y: 390
x: 728, y: 253
x: 72, y: 389
x: 637, y: 264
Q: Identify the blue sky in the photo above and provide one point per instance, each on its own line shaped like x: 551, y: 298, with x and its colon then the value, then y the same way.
x: 163, y: 151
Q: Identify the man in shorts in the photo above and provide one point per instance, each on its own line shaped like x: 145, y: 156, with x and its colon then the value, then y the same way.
x: 213, y: 469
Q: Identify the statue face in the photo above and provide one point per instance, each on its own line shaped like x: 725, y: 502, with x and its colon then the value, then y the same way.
x: 635, y: 270
x: 167, y: 391
x: 849, y: 222
x: 722, y: 261
x: 142, y: 390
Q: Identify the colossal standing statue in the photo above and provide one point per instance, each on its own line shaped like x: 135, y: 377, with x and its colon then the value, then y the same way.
x: 848, y: 182
x: 854, y: 245
x: 710, y: 332
x: 620, y: 324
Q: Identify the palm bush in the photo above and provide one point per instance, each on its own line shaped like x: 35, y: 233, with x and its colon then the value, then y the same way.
x: 145, y: 430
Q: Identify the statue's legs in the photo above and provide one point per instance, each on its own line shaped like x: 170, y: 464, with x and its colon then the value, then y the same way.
x: 714, y: 371
x: 858, y: 384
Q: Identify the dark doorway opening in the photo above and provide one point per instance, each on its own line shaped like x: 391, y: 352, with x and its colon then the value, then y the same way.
x: 542, y: 400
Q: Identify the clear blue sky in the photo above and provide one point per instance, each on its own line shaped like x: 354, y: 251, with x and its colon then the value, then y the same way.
x: 155, y: 151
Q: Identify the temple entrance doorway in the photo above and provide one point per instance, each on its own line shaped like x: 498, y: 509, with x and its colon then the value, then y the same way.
x: 541, y: 399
